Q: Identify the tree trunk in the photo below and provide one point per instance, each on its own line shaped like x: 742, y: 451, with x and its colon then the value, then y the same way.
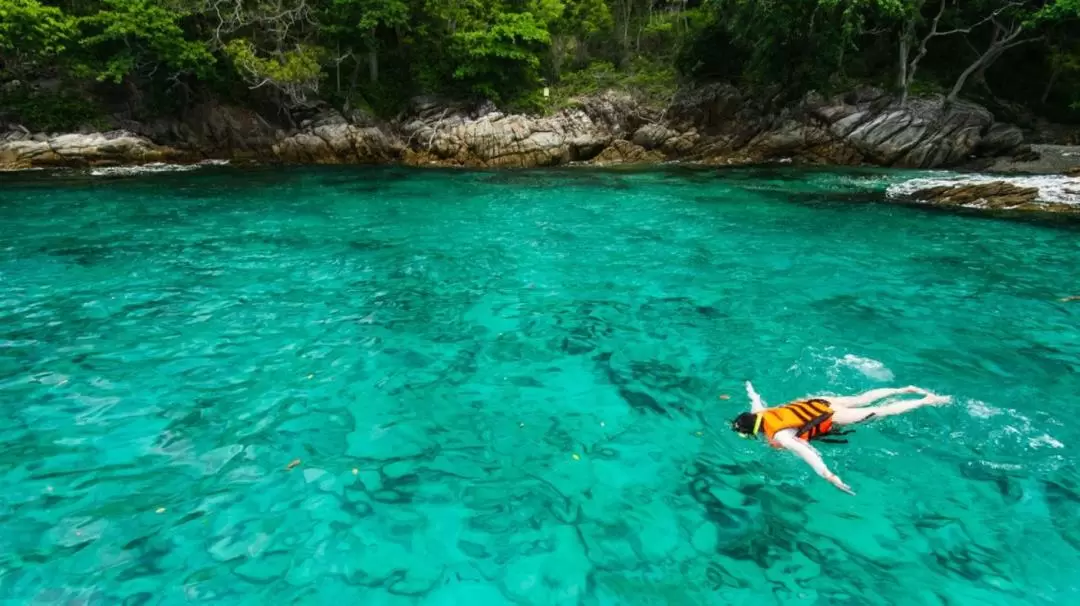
x: 355, y: 75
x: 954, y: 94
x: 1002, y: 41
x: 902, y: 83
x: 373, y: 59
x: 1050, y: 84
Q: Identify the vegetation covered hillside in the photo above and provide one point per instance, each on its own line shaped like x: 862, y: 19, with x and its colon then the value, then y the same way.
x: 66, y: 63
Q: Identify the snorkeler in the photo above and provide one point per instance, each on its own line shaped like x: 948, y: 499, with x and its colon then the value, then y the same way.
x: 794, y: 425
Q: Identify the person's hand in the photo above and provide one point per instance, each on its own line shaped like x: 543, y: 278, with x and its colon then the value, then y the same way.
x: 835, y: 480
x: 914, y: 389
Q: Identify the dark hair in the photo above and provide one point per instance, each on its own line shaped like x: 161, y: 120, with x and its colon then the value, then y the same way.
x: 744, y: 423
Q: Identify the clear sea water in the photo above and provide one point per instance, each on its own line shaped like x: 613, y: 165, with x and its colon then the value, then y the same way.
x: 387, y: 386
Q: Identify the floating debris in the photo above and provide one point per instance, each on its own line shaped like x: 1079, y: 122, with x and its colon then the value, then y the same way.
x: 292, y: 464
x: 355, y: 471
x: 159, y: 510
x: 576, y: 457
x: 724, y: 396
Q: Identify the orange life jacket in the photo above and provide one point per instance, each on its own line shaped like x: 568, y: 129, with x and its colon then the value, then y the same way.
x: 809, y: 418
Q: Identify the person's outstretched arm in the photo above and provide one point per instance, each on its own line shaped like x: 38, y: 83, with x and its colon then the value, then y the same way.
x: 788, y: 440
x: 756, y: 403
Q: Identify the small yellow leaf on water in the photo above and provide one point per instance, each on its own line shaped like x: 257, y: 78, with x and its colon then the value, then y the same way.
x: 292, y: 464
x: 355, y: 471
x: 159, y: 510
x: 698, y: 434
x: 725, y: 397
x: 576, y: 457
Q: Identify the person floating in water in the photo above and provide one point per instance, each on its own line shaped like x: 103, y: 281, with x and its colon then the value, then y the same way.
x: 795, y: 424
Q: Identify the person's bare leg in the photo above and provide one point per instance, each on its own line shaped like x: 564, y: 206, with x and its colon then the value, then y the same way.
x: 868, y: 398
x: 850, y: 416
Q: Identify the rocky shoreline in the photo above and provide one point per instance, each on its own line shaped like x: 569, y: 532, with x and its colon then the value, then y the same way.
x: 716, y: 125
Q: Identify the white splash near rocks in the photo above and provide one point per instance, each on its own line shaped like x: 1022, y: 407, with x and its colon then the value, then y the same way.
x: 153, y: 167
x: 1055, y: 190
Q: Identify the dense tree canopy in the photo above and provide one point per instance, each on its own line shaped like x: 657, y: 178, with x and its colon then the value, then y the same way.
x: 377, y: 53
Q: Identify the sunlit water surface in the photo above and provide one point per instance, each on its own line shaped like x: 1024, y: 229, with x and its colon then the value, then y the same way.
x: 347, y: 386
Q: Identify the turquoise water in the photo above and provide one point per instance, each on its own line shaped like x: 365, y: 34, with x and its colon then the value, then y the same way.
x: 503, y: 388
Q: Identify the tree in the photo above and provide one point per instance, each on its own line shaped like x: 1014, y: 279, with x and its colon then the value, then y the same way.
x: 30, y: 30
x: 1010, y: 23
x: 504, y: 56
x: 367, y: 18
x: 1063, y: 42
x: 798, y: 44
x: 271, y: 44
x: 579, y: 20
x: 139, y: 37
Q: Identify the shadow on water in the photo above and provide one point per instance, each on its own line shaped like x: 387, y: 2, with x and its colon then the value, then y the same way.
x: 822, y: 187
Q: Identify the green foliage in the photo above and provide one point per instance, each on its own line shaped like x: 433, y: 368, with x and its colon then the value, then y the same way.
x: 502, y: 57
x: 162, y: 55
x: 130, y: 36
x: 29, y: 28
x: 653, y: 83
x: 295, y: 72
x: 799, y: 44
x: 367, y: 16
x: 65, y: 110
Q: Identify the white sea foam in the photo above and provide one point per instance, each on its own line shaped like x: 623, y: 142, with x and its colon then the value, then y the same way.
x: 982, y: 410
x: 867, y: 366
x: 1056, y: 189
x: 154, y: 167
x: 1045, y: 440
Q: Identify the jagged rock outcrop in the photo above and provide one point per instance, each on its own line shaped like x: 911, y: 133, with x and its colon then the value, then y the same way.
x: 447, y: 135
x: 334, y: 140
x: 21, y: 149
x: 864, y: 126
x: 716, y: 124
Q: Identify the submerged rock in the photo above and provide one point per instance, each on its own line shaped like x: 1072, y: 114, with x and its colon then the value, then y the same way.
x: 1044, y: 193
x: 995, y: 195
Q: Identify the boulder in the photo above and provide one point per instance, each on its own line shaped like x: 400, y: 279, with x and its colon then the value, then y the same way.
x: 331, y: 139
x: 451, y: 138
x: 622, y: 151
x: 652, y: 136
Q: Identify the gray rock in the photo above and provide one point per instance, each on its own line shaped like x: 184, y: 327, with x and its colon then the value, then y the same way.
x: 652, y: 136
x: 622, y: 151
x: 717, y: 123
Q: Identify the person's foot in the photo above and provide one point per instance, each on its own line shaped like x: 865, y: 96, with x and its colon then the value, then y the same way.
x: 936, y: 400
